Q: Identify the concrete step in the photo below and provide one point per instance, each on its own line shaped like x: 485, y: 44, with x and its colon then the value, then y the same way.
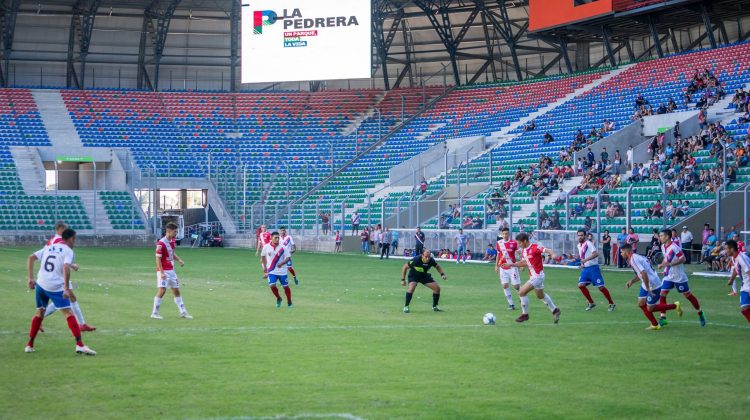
x: 56, y: 119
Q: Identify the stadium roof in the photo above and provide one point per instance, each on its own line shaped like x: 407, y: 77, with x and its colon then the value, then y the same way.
x: 420, y: 41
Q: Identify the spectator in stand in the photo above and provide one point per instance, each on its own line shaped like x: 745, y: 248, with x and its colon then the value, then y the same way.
x: 590, y: 158
x: 617, y: 162
x: 672, y: 105
x: 661, y: 110
x: 325, y: 221
x: 676, y: 129
x: 423, y: 186
x: 622, y: 240
x: 711, y: 242
x: 530, y: 126
x: 655, y: 244
x: 629, y: 157
x: 633, y: 240
x: 490, y: 253
x: 355, y: 223
x: 548, y: 138
x: 655, y: 210
x: 669, y: 211
x: 686, y: 243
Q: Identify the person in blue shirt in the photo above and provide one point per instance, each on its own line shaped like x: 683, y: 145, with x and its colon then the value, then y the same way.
x: 491, y: 253
x: 394, y: 242
x: 622, y: 239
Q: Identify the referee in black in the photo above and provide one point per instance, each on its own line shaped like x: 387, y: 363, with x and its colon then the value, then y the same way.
x: 418, y: 273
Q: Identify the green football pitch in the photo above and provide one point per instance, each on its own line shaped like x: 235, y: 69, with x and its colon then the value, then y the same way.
x: 347, y: 351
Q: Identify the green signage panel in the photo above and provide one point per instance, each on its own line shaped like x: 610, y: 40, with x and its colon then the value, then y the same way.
x: 74, y: 159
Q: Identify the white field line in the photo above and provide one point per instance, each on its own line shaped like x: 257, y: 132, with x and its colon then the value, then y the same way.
x: 292, y: 416
x: 156, y: 330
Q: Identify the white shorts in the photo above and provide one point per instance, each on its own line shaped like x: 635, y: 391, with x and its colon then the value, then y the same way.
x: 537, y: 282
x: 511, y: 276
x: 171, y: 281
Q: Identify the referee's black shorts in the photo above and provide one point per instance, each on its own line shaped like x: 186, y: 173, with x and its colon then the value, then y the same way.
x: 426, y: 279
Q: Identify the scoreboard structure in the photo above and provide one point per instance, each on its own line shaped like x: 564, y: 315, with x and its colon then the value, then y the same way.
x: 548, y: 14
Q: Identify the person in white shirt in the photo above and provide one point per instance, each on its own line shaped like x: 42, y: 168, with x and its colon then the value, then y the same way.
x: 648, y: 297
x: 291, y: 247
x: 741, y: 269
x: 275, y: 257
x: 590, y: 272
x: 674, y: 274
x: 686, y: 243
x: 629, y: 157
x: 53, y: 283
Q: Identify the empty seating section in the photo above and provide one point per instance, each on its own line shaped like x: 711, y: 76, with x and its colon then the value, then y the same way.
x: 20, y: 125
x: 120, y: 210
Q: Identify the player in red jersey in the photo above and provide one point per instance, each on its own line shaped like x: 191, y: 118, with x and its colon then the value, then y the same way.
x: 264, y: 238
x: 60, y: 227
x: 532, y: 258
x: 337, y: 240
x: 506, y: 254
x: 165, y: 275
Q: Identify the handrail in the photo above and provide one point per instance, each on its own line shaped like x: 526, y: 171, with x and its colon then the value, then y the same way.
x: 372, y: 147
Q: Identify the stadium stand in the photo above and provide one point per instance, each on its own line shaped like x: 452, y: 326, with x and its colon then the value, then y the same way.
x: 20, y: 125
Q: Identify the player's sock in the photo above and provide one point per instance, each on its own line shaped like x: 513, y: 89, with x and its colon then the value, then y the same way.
x: 288, y: 293
x: 408, y: 298
x: 663, y: 307
x: 77, y: 311
x: 649, y: 315
x: 548, y: 301
x: 694, y: 300
x: 157, y: 304
x: 508, y: 296
x: 746, y: 313
x: 51, y: 309
x: 524, y: 304
x: 75, y: 329
x: 663, y: 301
x: 180, y: 304
x: 734, y: 287
x: 435, y: 299
x: 606, y: 294
x: 586, y: 294
x: 36, y: 324
x: 291, y: 270
x: 275, y: 291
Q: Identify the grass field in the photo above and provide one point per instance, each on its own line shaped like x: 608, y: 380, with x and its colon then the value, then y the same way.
x: 346, y: 350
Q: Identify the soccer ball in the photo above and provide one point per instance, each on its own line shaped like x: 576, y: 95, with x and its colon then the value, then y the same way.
x: 489, y: 318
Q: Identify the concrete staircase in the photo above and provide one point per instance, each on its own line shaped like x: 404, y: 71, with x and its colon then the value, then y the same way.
x: 60, y: 128
x: 30, y: 169
x: 528, y: 209
x: 96, y: 212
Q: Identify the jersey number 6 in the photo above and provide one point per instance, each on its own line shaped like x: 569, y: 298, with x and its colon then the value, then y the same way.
x: 49, y: 266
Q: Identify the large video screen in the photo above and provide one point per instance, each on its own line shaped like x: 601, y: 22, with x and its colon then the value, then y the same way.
x: 298, y: 40
x: 544, y: 14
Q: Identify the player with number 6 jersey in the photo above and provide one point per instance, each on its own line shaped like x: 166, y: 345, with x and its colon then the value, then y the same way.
x: 60, y: 227
x: 509, y: 275
x: 53, y: 284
